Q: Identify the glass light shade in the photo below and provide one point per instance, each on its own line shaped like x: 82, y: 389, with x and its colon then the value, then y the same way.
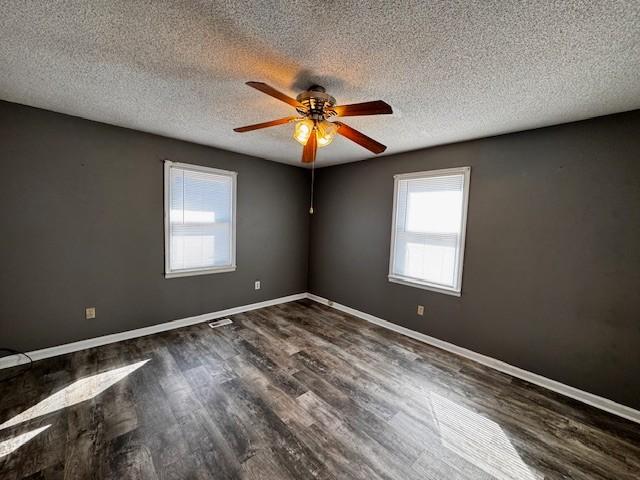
x: 326, y: 133
x: 302, y: 130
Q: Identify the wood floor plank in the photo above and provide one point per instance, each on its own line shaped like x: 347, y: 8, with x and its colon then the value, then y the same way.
x: 297, y: 391
x: 283, y: 405
x: 358, y: 445
x: 263, y: 466
x: 127, y: 457
x: 209, y: 447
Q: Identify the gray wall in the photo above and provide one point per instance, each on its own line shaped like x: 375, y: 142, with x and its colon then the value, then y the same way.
x: 551, y: 277
x: 81, y: 215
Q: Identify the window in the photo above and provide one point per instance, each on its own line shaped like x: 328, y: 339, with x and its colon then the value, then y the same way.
x: 429, y: 221
x: 200, y: 222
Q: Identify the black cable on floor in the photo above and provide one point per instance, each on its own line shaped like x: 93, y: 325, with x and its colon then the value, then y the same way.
x: 11, y: 351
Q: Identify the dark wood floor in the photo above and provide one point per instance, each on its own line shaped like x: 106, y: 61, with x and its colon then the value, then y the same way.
x: 297, y: 391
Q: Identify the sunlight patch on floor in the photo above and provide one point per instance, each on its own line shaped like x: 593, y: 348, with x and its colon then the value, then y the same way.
x: 478, y: 440
x: 79, y: 391
x: 11, y: 445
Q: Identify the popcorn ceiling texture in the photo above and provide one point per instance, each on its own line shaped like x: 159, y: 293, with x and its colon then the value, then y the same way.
x: 451, y: 70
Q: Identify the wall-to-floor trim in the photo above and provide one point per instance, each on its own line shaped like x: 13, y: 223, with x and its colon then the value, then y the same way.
x: 566, y: 390
x: 14, y: 360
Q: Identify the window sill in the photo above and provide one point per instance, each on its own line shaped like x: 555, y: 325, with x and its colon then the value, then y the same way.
x: 424, y: 286
x: 191, y: 273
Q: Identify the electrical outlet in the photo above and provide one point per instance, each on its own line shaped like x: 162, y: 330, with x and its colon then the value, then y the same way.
x: 257, y: 285
x: 420, y: 310
x: 90, y: 312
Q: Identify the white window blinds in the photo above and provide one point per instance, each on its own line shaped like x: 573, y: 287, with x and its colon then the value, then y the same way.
x: 199, y: 220
x: 428, y: 231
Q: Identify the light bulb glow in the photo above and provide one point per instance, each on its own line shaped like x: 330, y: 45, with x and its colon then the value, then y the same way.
x: 302, y: 130
x: 326, y: 133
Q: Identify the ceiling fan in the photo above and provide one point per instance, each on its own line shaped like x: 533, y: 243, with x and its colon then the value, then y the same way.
x: 312, y: 126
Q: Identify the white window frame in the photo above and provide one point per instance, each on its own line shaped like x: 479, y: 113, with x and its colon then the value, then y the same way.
x: 168, y: 273
x: 414, y: 282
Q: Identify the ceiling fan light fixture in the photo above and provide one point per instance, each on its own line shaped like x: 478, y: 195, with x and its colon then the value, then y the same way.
x: 312, y: 129
x: 302, y: 131
x: 326, y: 133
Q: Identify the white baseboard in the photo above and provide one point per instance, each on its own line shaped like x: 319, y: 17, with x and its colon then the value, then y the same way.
x: 580, y: 395
x: 14, y: 360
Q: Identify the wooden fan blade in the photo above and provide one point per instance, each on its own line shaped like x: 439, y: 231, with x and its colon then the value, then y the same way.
x: 264, y: 88
x: 360, y: 138
x: 377, y: 107
x: 310, y: 149
x: 258, y: 126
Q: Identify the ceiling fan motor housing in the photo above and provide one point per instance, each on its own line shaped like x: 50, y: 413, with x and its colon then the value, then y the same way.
x: 318, y: 104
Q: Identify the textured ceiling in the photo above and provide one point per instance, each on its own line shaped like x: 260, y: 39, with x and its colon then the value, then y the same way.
x: 452, y: 70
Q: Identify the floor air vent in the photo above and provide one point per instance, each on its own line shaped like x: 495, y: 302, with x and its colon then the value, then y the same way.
x: 220, y: 323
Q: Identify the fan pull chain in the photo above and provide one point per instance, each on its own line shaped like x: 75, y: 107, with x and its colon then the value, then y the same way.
x: 313, y: 168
